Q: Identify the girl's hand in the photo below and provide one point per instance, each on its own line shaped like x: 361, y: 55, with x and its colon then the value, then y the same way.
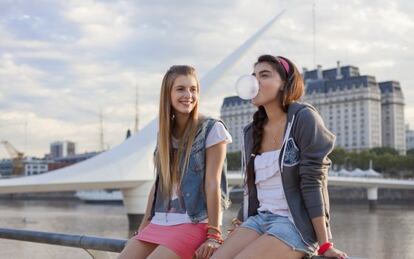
x: 207, y: 249
x: 235, y: 223
x: 333, y: 252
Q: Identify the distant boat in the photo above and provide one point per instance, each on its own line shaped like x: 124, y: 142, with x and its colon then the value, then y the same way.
x: 100, y: 196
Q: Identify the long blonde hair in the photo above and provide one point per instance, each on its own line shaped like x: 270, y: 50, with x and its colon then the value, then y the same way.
x: 170, y: 172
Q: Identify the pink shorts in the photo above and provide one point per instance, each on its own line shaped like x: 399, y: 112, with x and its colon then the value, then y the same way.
x: 183, y: 239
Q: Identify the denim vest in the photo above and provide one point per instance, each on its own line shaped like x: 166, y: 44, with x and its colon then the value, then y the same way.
x: 192, y: 184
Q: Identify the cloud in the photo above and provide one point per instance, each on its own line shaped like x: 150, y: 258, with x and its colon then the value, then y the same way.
x: 61, y: 62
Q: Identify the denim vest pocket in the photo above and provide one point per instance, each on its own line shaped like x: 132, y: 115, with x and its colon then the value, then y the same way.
x: 197, y: 157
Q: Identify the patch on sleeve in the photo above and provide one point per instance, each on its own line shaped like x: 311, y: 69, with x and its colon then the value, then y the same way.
x: 291, y: 157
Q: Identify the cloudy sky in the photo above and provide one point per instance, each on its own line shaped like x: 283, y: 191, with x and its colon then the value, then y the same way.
x: 63, y: 61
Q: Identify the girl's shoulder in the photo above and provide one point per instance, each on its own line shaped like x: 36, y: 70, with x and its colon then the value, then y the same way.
x: 248, y: 127
x: 209, y: 121
x: 308, y: 114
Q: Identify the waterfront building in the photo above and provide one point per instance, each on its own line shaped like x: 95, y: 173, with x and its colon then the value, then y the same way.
x: 6, y: 167
x: 61, y: 162
x: 409, y: 136
x: 360, y: 111
x: 62, y: 149
x: 236, y: 113
x: 33, y: 166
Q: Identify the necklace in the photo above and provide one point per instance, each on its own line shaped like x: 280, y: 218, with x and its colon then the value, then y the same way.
x: 276, y: 136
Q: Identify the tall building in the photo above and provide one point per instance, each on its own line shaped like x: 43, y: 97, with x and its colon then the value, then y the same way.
x: 393, y: 128
x: 409, y: 137
x: 349, y: 103
x: 353, y: 105
x: 62, y: 149
x: 236, y: 113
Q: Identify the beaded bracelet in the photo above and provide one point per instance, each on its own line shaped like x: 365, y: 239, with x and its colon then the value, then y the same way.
x: 216, y: 241
x: 214, y: 228
x: 215, y: 237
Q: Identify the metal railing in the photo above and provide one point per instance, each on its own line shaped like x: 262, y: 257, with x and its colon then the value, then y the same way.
x: 88, y: 243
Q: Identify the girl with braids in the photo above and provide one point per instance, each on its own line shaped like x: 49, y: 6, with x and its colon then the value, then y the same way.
x: 184, y: 209
x: 286, y: 147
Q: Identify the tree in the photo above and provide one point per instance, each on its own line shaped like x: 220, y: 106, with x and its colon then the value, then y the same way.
x: 338, y: 156
x: 234, y: 161
x: 383, y: 150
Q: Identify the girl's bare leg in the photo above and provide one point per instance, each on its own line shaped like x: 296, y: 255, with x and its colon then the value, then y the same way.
x: 162, y: 252
x: 136, y: 249
x: 239, y: 239
x: 268, y: 247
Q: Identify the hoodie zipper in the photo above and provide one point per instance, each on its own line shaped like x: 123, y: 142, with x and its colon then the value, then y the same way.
x: 289, y: 128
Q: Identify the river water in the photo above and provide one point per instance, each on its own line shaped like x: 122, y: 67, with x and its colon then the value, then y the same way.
x: 386, y: 233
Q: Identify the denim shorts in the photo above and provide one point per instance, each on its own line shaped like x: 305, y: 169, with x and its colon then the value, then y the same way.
x: 280, y: 227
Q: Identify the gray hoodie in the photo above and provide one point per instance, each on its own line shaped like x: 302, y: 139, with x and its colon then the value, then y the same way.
x: 304, y: 165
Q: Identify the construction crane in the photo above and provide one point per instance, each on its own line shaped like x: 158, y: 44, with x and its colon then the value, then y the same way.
x: 16, y: 157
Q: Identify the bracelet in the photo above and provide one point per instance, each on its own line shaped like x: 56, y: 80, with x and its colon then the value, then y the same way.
x: 216, y: 237
x: 324, y: 247
x: 214, y: 228
x: 216, y: 241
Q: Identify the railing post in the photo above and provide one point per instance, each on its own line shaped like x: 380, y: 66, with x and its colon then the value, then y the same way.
x: 372, y: 197
x: 135, y: 202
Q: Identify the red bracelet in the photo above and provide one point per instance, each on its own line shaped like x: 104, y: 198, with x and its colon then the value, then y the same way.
x: 214, y: 228
x: 324, y: 247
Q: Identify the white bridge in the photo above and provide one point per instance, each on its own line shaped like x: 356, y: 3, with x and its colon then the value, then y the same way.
x: 129, y: 166
x: 236, y: 178
x: 371, y: 184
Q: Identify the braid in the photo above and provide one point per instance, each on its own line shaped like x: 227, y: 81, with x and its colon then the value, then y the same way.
x: 259, y: 119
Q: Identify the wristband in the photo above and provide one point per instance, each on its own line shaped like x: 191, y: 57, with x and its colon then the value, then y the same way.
x: 324, y: 247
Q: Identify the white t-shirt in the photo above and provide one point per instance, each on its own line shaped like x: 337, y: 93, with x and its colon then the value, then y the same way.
x: 269, y: 184
x: 217, y: 134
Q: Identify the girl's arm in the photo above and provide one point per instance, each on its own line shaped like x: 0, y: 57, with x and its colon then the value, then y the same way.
x: 214, y: 165
x: 320, y: 229
x: 315, y: 144
x: 215, y: 156
x: 319, y: 225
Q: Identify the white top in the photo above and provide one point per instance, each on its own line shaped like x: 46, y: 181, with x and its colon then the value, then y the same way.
x: 269, y: 184
x: 217, y: 134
